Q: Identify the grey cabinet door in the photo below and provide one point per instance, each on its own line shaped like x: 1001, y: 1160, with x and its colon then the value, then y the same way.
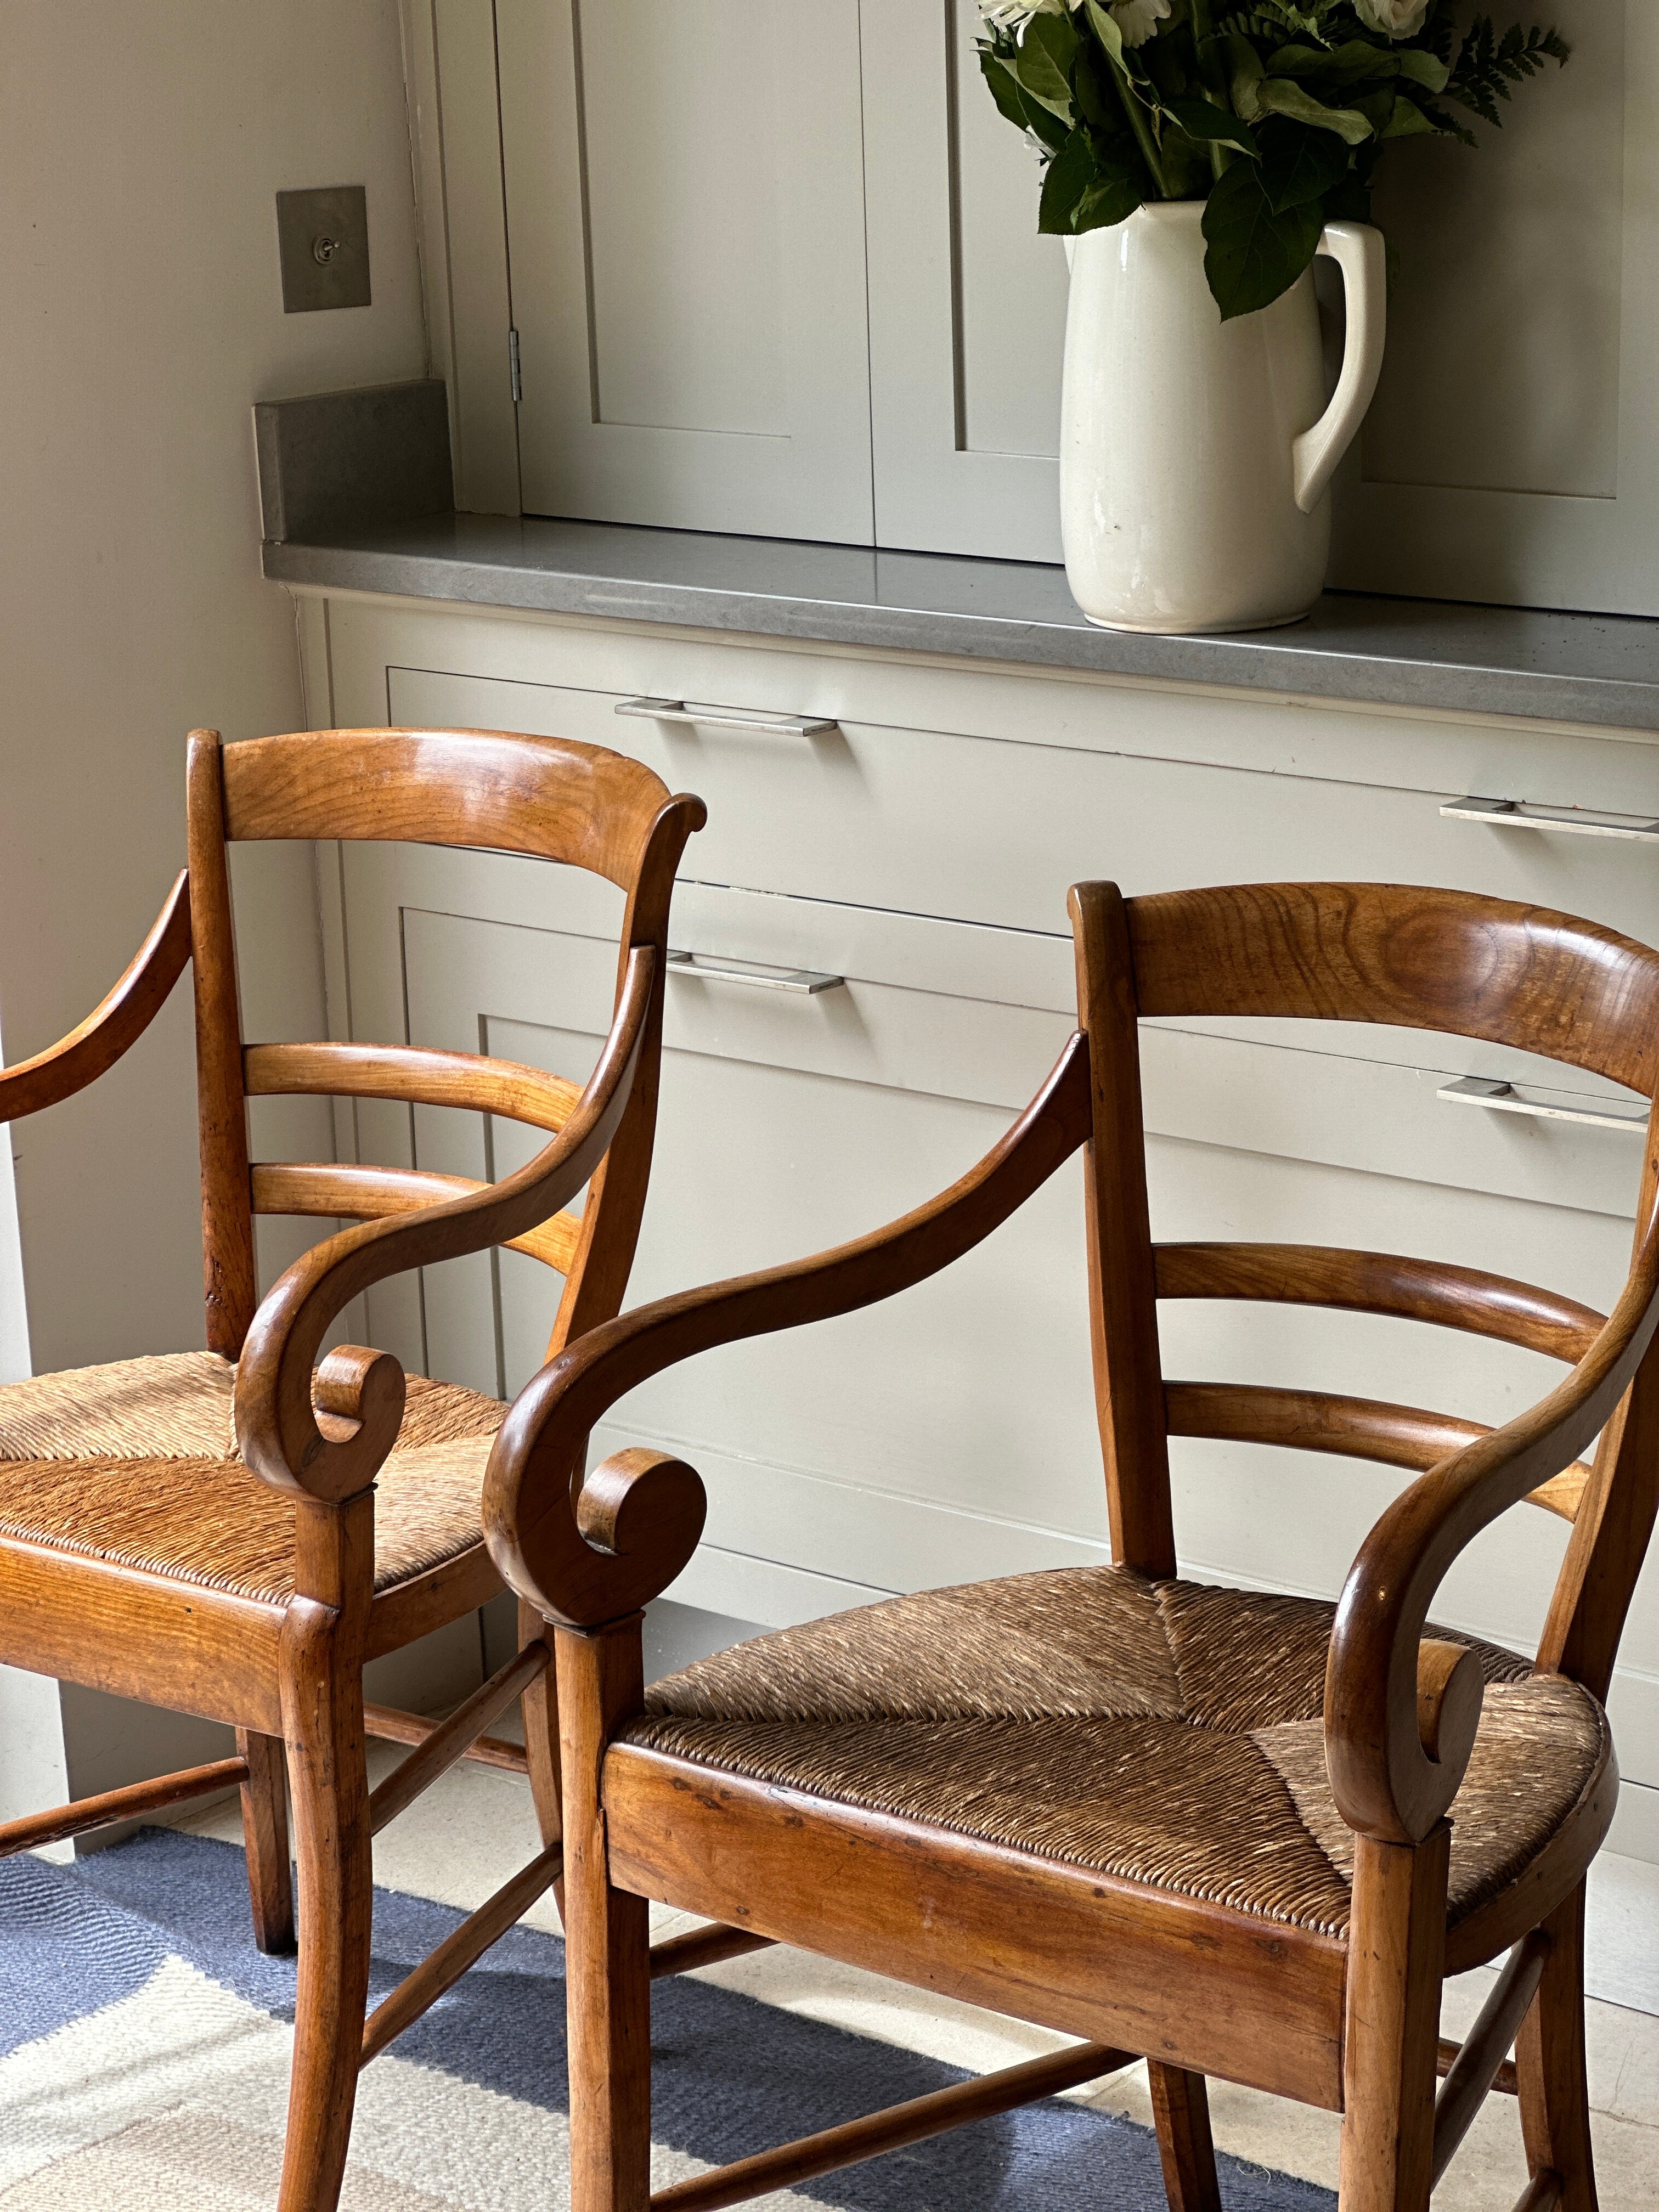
x: 1512, y: 452
x: 967, y: 303
x: 685, y: 212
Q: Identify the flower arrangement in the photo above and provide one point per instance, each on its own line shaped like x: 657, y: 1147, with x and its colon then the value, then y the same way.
x: 1274, y: 114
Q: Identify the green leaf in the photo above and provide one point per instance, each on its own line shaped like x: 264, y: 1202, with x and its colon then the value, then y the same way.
x: 1069, y: 176
x: 1422, y: 68
x: 1378, y: 107
x: 1043, y: 63
x: 1408, y: 121
x: 1245, y: 76
x: 1115, y: 196
x: 1283, y: 97
x: 1199, y: 119
x: 1349, y: 200
x: 1297, y: 61
x: 1096, y: 101
x: 1300, y: 165
x: 1105, y: 29
x: 1353, y: 63
x: 1253, y: 254
x: 1043, y: 123
x: 1004, y: 90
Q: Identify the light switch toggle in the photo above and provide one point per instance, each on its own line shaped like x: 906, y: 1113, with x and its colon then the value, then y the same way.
x: 322, y: 237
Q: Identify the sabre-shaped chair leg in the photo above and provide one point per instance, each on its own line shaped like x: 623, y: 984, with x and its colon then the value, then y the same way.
x: 1396, y: 1964
x: 265, y: 1834
x: 1549, y: 2064
x: 607, y: 1953
x: 322, y: 1686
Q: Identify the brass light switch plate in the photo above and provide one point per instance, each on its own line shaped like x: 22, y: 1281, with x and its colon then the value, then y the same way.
x: 324, y: 240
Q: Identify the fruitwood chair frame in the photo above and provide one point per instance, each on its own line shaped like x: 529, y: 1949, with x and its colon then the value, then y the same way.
x: 1349, y: 2024
x: 289, y: 1677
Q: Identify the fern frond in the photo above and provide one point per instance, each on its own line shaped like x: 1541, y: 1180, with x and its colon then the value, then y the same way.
x: 1274, y: 20
x: 1486, y: 65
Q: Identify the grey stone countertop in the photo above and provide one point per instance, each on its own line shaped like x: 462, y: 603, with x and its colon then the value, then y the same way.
x: 1597, y: 670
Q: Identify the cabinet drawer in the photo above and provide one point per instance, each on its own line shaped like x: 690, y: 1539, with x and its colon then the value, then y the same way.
x: 930, y: 822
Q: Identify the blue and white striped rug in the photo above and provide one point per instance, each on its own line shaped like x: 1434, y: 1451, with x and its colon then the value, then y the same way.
x: 144, y: 2048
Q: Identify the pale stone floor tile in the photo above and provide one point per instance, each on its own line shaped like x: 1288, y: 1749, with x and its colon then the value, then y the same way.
x: 476, y: 1827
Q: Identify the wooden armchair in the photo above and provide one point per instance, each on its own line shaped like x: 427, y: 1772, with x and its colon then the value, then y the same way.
x: 230, y: 1533
x: 1235, y: 1833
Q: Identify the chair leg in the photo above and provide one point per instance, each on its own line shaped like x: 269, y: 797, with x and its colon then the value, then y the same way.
x: 540, y: 1706
x: 1549, y: 2060
x: 322, y: 1690
x: 1181, y: 2106
x: 1396, y: 1965
x: 607, y: 1947
x: 264, y: 1833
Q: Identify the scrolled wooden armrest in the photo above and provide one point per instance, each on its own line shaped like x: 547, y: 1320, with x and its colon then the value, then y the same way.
x: 326, y: 1437
x: 1400, y: 1713
x: 114, y: 1025
x: 543, y: 1539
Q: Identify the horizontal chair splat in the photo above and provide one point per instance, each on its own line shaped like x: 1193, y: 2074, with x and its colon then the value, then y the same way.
x: 1382, y: 1282
x: 368, y: 1193
x: 1352, y: 1428
x: 387, y: 1724
x: 79, y: 1818
x: 892, y: 2129
x: 451, y: 1739
x: 417, y: 1074
x: 419, y: 1990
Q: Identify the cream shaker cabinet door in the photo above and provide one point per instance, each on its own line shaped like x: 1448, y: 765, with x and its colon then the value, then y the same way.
x: 1512, y: 451
x: 685, y: 212
x: 967, y: 303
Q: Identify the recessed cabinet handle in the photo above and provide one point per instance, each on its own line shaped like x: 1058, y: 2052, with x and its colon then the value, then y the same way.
x: 725, y: 717
x: 803, y: 982
x: 1504, y: 1098
x: 1579, y: 821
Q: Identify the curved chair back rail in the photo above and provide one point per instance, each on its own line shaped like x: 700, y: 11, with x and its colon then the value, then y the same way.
x: 489, y: 789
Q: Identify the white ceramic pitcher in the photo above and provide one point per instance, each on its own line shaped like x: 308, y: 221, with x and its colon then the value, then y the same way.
x: 1196, y: 456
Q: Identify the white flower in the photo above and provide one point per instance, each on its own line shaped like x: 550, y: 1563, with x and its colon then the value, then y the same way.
x: 1014, y: 15
x: 1137, y: 19
x: 1395, y: 19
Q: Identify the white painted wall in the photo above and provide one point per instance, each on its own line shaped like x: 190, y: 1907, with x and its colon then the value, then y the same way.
x: 140, y: 151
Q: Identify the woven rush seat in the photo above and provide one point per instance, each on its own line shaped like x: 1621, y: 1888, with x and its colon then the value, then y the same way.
x: 135, y: 1463
x: 1163, y: 1732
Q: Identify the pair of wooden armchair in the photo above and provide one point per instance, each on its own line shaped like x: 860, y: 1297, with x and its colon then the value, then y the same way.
x: 1230, y: 1832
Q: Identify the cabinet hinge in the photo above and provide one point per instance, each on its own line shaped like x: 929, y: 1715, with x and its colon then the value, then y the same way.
x: 513, y: 366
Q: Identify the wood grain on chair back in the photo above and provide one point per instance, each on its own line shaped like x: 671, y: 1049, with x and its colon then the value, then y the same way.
x: 485, y: 789
x: 1522, y: 976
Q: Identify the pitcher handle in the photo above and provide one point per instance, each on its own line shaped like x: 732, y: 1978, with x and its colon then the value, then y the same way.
x: 1357, y: 250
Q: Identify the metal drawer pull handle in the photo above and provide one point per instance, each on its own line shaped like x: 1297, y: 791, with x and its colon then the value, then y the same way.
x: 725, y: 717
x: 804, y: 983
x: 1581, y: 821
x: 1483, y: 1090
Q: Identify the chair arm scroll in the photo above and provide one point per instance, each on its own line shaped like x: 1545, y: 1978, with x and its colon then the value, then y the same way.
x: 114, y: 1025
x: 326, y: 1435
x: 1401, y: 1712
